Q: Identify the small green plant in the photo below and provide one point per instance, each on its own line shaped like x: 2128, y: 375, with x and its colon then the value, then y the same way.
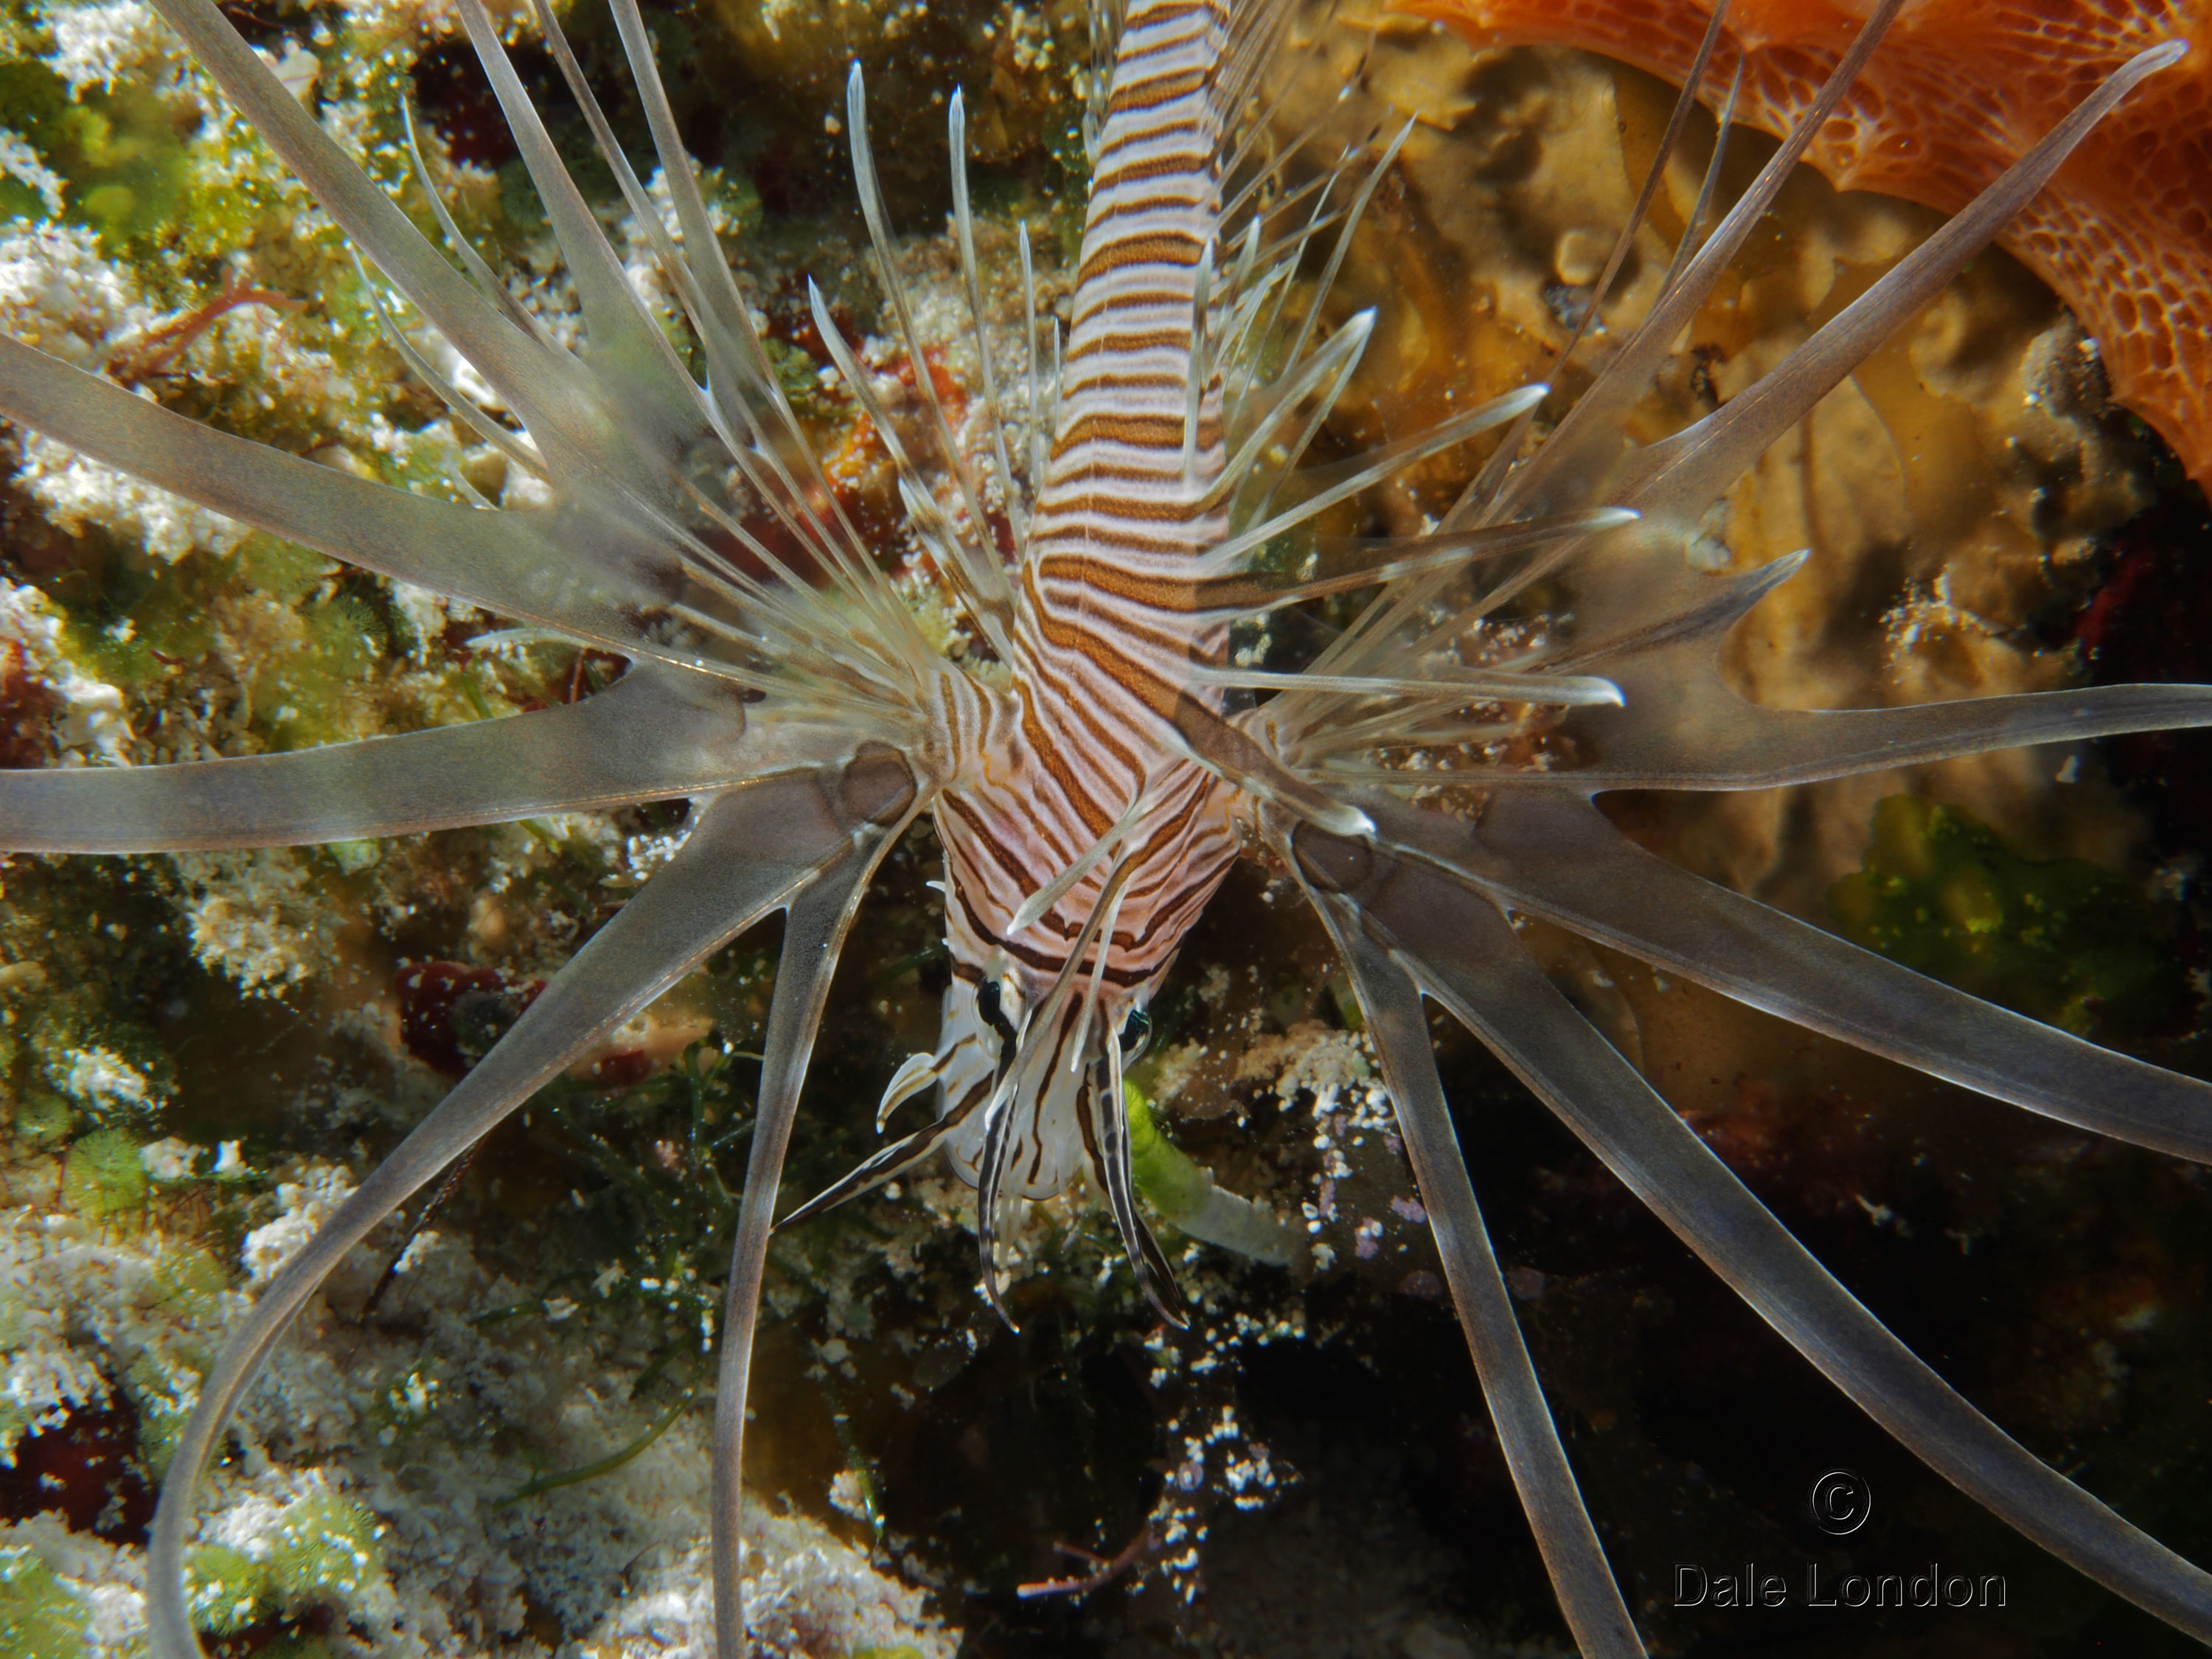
x: 321, y: 1550
x: 40, y: 1618
x: 103, y: 1177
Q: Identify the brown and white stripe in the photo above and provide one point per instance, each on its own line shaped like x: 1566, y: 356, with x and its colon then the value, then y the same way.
x: 1104, y: 635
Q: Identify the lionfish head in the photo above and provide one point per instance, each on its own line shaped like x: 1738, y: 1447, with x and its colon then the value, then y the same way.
x: 1027, y: 1071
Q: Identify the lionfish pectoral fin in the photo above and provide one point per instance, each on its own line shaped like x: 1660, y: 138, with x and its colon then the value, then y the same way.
x: 646, y: 738
x: 820, y: 916
x: 1681, y: 726
x: 1556, y: 856
x: 1463, y: 952
x: 499, y: 561
x: 1396, y: 1024
x: 749, y: 851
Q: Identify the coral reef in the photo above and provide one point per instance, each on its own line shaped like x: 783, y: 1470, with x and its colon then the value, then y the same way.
x: 366, y: 1504
x: 504, y: 1447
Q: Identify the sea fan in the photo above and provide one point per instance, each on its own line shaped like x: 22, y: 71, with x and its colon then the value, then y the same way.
x: 778, y: 681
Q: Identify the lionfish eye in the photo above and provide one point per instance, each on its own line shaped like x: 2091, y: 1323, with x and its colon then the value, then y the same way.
x: 1136, y: 1034
x: 986, y: 1003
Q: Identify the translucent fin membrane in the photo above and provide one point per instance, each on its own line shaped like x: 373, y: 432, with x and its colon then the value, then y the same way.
x: 749, y: 853
x: 1463, y: 952
x: 1580, y: 454
x: 1680, y: 727
x: 814, y: 935
x: 1260, y: 462
x: 1675, y: 480
x: 1556, y: 856
x: 618, y: 428
x: 653, y: 735
x: 1588, y: 1598
x: 514, y: 564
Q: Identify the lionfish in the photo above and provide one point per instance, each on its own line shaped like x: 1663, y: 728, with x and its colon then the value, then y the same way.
x: 1092, y: 790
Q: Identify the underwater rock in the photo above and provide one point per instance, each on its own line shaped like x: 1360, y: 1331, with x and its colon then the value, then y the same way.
x: 369, y: 1501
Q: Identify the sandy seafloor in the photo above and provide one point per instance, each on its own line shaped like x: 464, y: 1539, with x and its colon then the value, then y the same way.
x: 200, y: 1055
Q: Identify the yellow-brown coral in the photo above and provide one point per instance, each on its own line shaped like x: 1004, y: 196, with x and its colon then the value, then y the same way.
x: 1957, y: 91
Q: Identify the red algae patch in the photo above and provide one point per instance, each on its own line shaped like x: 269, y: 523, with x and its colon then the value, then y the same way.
x: 1957, y: 90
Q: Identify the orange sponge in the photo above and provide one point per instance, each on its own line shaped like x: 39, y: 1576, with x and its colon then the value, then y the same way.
x: 1957, y: 90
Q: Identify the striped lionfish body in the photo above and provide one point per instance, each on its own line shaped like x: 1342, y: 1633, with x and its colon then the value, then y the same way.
x: 1091, y: 797
x: 1076, y: 768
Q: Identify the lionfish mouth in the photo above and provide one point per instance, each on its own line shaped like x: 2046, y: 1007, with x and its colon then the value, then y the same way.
x: 1151, y: 478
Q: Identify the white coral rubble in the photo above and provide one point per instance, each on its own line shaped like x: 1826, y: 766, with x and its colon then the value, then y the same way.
x: 377, y: 1454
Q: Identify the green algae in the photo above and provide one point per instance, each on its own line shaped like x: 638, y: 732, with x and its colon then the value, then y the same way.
x: 320, y: 1550
x: 1173, y: 1182
x: 2060, y: 939
x: 123, y: 168
x: 43, y: 1117
x: 39, y: 1618
x: 103, y: 1177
